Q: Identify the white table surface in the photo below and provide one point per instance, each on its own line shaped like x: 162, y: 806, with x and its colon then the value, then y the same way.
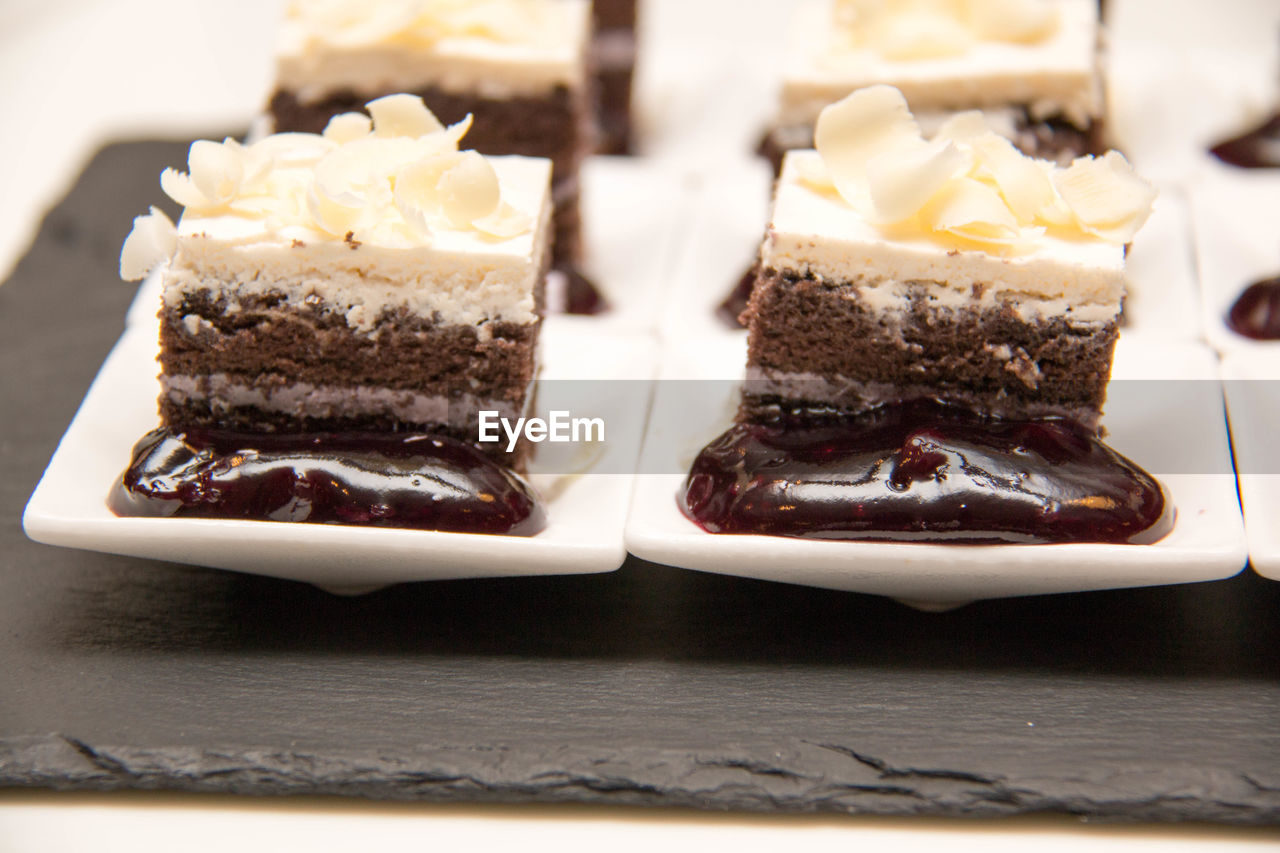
x: 76, y: 73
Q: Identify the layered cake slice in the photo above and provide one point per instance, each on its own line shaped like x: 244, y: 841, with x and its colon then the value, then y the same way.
x: 370, y: 278
x: 930, y: 340
x: 520, y: 67
x: 956, y: 269
x: 1031, y: 65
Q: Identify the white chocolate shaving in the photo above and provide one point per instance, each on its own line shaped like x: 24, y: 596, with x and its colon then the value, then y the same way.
x: 151, y: 242
x: 963, y: 127
x: 1024, y: 185
x: 903, y: 180
x: 348, y: 127
x: 216, y: 169
x: 968, y: 182
x: 1109, y: 199
x: 418, y: 190
x: 850, y: 132
x: 469, y: 190
x: 178, y: 186
x: 402, y: 115
x: 972, y: 210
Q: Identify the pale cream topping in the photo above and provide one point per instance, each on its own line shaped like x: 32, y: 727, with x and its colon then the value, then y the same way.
x: 968, y: 186
x: 392, y: 180
x: 922, y: 29
x: 421, y: 23
x: 495, y: 48
x: 947, y: 55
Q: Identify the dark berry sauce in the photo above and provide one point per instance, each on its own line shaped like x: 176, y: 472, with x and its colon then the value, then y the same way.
x: 426, y: 482
x: 1256, y: 314
x: 1257, y: 149
x: 923, y: 472
x: 581, y: 294
x: 730, y: 310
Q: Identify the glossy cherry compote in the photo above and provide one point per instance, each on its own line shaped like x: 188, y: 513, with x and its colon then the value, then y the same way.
x: 425, y: 482
x: 923, y: 472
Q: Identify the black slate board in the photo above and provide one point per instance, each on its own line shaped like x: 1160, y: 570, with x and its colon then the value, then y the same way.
x: 649, y: 686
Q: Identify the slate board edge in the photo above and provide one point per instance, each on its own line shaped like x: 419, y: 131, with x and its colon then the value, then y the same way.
x: 748, y: 782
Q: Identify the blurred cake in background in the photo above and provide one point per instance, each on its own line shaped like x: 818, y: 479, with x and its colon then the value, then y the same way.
x: 613, y: 60
x: 1032, y: 66
x: 519, y: 67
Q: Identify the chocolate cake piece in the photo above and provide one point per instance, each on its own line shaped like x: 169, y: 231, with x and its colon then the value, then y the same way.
x: 519, y: 67
x: 1031, y: 65
x: 613, y: 58
x: 959, y: 270
x: 370, y: 278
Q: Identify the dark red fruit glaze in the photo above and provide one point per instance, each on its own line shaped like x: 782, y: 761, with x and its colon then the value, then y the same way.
x: 424, y: 482
x: 581, y: 294
x: 923, y: 472
x: 736, y: 302
x: 1257, y: 149
x: 1256, y: 314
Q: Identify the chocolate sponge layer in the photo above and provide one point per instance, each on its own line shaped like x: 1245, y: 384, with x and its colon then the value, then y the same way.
x: 270, y: 345
x: 816, y: 344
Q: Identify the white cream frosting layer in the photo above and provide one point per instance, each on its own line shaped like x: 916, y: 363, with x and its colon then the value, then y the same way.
x: 458, y: 277
x: 491, y: 48
x: 1056, y: 75
x: 818, y: 233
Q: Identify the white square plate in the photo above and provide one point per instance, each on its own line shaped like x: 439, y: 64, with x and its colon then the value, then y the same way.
x: 586, y: 511
x: 1181, y: 423
x: 1253, y: 398
x: 1237, y: 231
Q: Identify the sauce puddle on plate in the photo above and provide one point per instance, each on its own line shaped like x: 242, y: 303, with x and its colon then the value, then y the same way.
x: 923, y: 472
x: 423, y: 482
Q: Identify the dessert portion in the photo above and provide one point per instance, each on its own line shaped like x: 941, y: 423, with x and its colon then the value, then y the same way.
x: 520, y: 67
x: 370, y: 279
x: 956, y: 269
x: 1031, y: 65
x: 613, y: 58
x: 930, y: 339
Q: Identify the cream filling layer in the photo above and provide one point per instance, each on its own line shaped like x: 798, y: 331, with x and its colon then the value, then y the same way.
x: 303, y: 399
x: 843, y: 391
